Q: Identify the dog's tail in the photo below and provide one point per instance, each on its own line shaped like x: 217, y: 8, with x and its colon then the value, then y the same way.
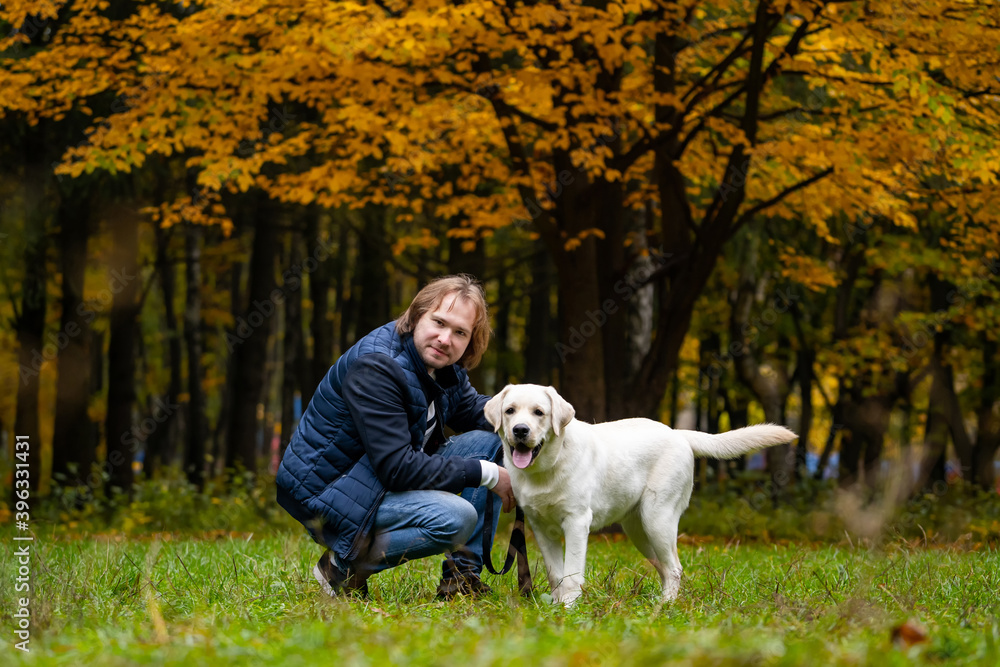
x: 732, y: 444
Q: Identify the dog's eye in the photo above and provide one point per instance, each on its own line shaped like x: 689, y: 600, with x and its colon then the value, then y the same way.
x: 509, y: 411
x: 539, y: 412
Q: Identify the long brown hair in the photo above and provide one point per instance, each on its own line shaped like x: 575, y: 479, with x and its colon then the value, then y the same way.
x: 463, y: 286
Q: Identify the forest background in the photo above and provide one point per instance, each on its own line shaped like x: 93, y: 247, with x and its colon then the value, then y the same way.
x: 709, y: 213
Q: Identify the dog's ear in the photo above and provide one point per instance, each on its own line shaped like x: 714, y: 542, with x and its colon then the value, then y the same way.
x: 492, y: 409
x: 562, y: 411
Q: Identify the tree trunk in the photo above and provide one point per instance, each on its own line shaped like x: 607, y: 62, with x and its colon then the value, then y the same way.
x: 988, y: 418
x: 866, y: 418
x: 293, y: 345
x: 770, y: 388
x: 640, y: 307
x: 125, y: 285
x: 582, y: 370
x: 944, y: 418
x: 221, y: 432
x: 347, y: 289
x: 944, y: 412
x: 936, y: 432
x: 374, y: 307
x: 321, y: 324
x: 836, y: 426
x: 502, y: 314
x: 804, y: 375
x: 30, y: 326
x: 581, y: 350
x: 73, y: 445
x: 538, y: 331
x: 162, y: 444
x: 850, y: 460
x: 250, y: 355
x: 194, y: 452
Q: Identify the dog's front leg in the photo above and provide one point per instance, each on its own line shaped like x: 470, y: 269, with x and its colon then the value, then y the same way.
x: 549, y: 539
x: 576, y: 529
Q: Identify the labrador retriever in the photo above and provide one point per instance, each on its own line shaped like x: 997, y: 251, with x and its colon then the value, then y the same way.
x: 571, y: 477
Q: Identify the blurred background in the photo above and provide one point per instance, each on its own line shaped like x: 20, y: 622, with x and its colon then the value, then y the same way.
x: 707, y: 213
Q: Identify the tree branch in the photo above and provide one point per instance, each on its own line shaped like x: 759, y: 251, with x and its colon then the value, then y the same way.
x: 778, y: 197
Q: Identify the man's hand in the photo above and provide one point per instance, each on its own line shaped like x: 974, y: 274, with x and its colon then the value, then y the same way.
x: 504, y: 490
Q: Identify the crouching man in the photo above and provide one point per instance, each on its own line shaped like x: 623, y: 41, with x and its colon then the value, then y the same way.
x: 368, y: 471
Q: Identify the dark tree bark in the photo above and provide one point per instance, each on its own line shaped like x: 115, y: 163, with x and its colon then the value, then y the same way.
x: 347, y: 288
x: 221, y: 431
x: 30, y: 326
x: 712, y: 345
x: 866, y: 420
x: 944, y: 413
x: 936, y: 431
x: 194, y: 451
x: 294, y: 362
x: 250, y: 355
x: 162, y: 444
x: 374, y: 308
x: 988, y: 417
x: 804, y: 375
x: 944, y: 419
x: 321, y: 324
x: 836, y: 426
x: 125, y: 285
x: 771, y: 388
x: 539, y: 328
x: 73, y: 444
x: 502, y: 315
x: 582, y: 322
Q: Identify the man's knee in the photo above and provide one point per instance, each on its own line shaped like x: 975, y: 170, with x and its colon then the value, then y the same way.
x: 457, y: 522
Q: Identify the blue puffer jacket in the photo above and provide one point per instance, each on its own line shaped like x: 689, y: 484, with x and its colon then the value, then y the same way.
x: 362, y: 434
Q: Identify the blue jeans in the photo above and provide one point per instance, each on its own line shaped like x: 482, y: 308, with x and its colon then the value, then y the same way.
x: 415, y: 524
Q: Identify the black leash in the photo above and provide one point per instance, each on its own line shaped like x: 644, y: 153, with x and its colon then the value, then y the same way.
x: 517, y: 549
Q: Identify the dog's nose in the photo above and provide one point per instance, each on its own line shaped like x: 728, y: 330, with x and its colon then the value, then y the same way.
x: 521, y: 431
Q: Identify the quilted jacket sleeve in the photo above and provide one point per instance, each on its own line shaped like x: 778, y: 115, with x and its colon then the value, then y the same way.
x: 375, y: 392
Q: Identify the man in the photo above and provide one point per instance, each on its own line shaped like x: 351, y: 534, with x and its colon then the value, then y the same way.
x: 368, y: 471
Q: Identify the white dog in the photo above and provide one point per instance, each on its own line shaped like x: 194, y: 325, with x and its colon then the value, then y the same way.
x: 571, y: 477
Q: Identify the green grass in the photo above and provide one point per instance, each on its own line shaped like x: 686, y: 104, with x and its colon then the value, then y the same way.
x: 252, y: 600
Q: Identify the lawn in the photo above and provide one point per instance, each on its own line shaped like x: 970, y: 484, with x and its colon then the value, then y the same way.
x: 250, y: 599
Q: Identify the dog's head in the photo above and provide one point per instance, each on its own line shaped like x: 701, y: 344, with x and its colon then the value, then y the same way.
x: 527, y: 417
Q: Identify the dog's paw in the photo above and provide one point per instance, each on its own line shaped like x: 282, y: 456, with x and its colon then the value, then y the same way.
x: 566, y: 595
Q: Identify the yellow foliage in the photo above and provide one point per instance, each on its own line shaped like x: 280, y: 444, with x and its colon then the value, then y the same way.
x: 470, y: 111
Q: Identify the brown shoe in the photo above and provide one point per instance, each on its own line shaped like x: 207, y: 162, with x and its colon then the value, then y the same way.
x: 334, y: 582
x: 469, y: 584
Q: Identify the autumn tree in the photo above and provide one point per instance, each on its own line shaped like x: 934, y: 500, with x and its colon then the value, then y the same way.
x: 632, y: 140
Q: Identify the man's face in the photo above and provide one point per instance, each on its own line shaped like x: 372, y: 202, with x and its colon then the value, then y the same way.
x: 443, y: 333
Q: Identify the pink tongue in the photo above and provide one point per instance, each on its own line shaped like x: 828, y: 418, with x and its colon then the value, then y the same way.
x: 521, y: 458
